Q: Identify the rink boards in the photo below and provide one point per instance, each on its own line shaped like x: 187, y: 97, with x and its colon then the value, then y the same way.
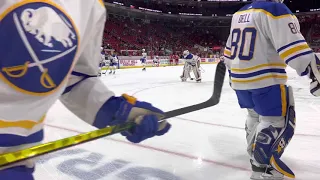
x: 134, y: 62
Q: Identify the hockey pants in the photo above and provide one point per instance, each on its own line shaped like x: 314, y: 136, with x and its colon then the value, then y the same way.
x: 187, y: 69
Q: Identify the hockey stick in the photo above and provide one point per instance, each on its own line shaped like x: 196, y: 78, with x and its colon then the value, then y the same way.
x: 202, y: 70
x: 14, y: 157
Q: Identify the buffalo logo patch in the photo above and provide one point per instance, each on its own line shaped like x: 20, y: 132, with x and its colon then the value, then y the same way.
x: 38, y: 46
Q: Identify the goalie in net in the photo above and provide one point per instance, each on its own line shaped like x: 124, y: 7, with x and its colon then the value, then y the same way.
x: 192, y: 63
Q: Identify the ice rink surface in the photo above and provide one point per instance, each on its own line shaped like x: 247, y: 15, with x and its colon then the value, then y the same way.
x: 205, y: 145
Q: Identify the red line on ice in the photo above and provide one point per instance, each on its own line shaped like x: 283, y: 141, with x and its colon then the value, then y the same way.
x: 160, y: 150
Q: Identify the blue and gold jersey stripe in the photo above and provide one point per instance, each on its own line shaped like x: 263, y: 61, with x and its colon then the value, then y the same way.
x: 271, y: 9
x: 25, y: 124
x: 299, y: 55
x: 257, y: 73
x: 294, y: 50
x: 266, y: 13
x: 260, y: 66
x: 253, y: 80
x: 290, y: 44
x: 227, y: 52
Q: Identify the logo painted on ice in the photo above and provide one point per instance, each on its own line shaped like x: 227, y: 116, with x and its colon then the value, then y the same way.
x: 45, y: 42
x: 91, y: 166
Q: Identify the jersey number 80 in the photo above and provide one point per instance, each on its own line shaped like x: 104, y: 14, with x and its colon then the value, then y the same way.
x: 248, y: 38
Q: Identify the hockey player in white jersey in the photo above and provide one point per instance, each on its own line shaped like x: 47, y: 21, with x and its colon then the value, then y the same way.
x: 32, y: 80
x: 102, y: 63
x: 144, y: 59
x: 192, y: 63
x: 156, y: 61
x: 264, y: 38
x: 107, y: 62
x: 113, y: 63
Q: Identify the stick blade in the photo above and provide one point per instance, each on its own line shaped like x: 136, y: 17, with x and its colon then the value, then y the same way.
x: 218, y: 82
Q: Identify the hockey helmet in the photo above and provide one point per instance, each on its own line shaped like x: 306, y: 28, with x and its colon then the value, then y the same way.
x: 185, y: 53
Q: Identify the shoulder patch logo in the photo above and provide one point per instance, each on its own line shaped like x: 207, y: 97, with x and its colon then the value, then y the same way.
x: 45, y: 42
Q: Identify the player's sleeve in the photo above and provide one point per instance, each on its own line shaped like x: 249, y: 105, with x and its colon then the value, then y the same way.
x: 283, y: 29
x: 86, y: 93
x: 227, y: 52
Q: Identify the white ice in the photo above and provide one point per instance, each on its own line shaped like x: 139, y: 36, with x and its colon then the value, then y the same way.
x: 204, y: 145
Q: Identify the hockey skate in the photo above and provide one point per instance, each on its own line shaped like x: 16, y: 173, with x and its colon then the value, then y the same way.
x: 198, y: 80
x: 114, y: 72
x: 144, y: 69
x: 265, y: 173
x: 110, y: 72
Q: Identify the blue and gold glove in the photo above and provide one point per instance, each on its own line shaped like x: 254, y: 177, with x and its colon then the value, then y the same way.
x: 118, y: 110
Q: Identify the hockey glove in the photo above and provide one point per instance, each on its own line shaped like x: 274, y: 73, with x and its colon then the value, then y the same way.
x: 313, y: 73
x: 118, y: 110
x: 314, y: 84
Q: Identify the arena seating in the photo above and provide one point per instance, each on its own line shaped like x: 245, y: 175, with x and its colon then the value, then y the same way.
x: 128, y: 37
x: 123, y: 34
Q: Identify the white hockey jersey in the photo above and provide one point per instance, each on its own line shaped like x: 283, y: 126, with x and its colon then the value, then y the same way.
x: 103, y: 57
x: 264, y: 38
x: 114, y: 59
x: 54, y: 49
x: 144, y: 55
x: 192, y: 59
